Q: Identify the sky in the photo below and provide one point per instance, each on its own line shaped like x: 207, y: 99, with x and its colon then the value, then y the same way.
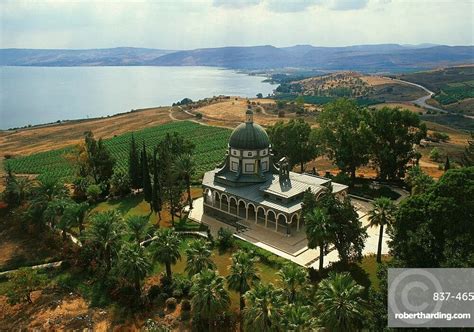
x: 214, y: 23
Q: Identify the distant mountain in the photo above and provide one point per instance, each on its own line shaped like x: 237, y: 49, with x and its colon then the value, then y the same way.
x: 119, y: 56
x: 367, y: 58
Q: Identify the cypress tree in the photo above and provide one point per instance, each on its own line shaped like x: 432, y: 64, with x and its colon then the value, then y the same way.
x: 134, y: 169
x: 156, y: 200
x: 446, y: 164
x: 146, y: 175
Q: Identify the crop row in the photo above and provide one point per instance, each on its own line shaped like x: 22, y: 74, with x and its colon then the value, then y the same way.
x: 210, y: 145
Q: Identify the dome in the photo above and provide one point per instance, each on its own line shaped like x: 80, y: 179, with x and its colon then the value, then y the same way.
x: 249, y: 136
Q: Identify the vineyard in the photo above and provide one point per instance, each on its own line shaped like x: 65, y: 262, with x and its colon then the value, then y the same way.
x: 210, y: 142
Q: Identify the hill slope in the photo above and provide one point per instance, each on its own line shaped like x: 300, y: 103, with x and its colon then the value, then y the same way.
x: 367, y: 58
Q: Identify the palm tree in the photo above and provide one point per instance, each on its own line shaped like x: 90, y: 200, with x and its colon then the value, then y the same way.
x: 198, y: 257
x: 105, y: 235
x: 133, y: 265
x: 74, y: 215
x: 381, y: 215
x: 166, y: 248
x: 138, y: 228
x: 185, y: 168
x: 298, y: 318
x: 264, y: 305
x: 209, y: 296
x: 293, y: 278
x: 243, y: 274
x: 317, y: 230
x: 340, y: 305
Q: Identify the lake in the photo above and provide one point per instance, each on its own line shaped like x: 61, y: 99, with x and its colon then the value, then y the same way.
x: 36, y: 95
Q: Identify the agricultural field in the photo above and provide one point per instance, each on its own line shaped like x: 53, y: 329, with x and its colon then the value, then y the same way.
x: 211, y: 143
x: 454, y: 87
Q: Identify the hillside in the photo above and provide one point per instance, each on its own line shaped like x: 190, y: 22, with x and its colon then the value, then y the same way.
x: 366, y: 58
x: 453, y: 87
x: 120, y: 56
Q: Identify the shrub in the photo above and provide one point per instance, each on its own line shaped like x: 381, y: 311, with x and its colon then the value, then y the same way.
x: 225, y: 239
x: 440, y: 136
x: 93, y: 193
x: 281, y: 114
x: 435, y: 155
x: 171, y: 303
x: 120, y: 184
x: 198, y: 115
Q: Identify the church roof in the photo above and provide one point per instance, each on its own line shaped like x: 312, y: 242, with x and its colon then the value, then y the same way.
x: 249, y: 136
x: 255, y: 192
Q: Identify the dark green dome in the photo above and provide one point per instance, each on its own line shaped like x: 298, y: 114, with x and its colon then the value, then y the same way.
x: 249, y: 136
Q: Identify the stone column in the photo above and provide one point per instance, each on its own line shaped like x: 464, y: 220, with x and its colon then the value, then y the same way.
x: 266, y: 219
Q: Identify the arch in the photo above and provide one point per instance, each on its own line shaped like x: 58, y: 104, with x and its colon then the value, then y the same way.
x: 233, y: 205
x: 320, y: 193
x: 281, y: 223
x: 217, y: 199
x: 251, y: 212
x: 295, y: 222
x: 224, y: 202
x: 271, y: 219
x: 242, y: 209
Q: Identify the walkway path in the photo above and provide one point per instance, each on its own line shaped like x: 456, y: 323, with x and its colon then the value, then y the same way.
x: 35, y: 267
x: 293, y: 248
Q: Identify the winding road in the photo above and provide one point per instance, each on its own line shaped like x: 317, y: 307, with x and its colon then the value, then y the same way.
x: 421, y: 102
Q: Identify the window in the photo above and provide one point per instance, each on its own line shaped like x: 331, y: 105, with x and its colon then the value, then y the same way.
x: 249, y: 154
x: 264, y: 166
x: 249, y: 168
x: 234, y: 152
x: 235, y: 166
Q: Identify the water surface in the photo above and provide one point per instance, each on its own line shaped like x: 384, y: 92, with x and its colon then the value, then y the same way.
x: 36, y: 95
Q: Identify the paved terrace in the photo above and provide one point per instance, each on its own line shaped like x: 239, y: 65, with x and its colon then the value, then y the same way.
x: 294, y: 248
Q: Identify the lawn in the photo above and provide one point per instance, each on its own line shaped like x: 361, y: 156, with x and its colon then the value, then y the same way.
x: 369, y: 264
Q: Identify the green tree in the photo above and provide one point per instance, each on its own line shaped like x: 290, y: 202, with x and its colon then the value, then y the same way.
x: 436, y: 228
x: 394, y: 135
x: 99, y: 161
x: 293, y: 140
x: 185, y: 168
x: 242, y: 274
x: 418, y: 180
x: 344, y: 228
x: 198, y: 257
x: 157, y: 190
x: 21, y: 283
x: 93, y: 193
x: 17, y: 189
x: 339, y: 302
x: 435, y: 155
x: 209, y: 296
x: 146, y: 175
x: 138, y: 228
x: 447, y: 164
x: 264, y: 304
x: 345, y: 134
x: 74, y: 215
x: 298, y: 318
x: 381, y: 214
x: 133, y: 265
x: 293, y: 278
x: 165, y: 249
x: 318, y: 232
x: 467, y: 158
x: 119, y: 183
x: 104, y: 236
x: 134, y: 167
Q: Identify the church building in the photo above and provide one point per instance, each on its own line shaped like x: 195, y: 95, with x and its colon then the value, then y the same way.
x: 249, y: 186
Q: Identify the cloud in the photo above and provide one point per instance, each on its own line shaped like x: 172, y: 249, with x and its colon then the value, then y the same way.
x: 291, y: 6
x: 235, y: 4
x: 348, y: 4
